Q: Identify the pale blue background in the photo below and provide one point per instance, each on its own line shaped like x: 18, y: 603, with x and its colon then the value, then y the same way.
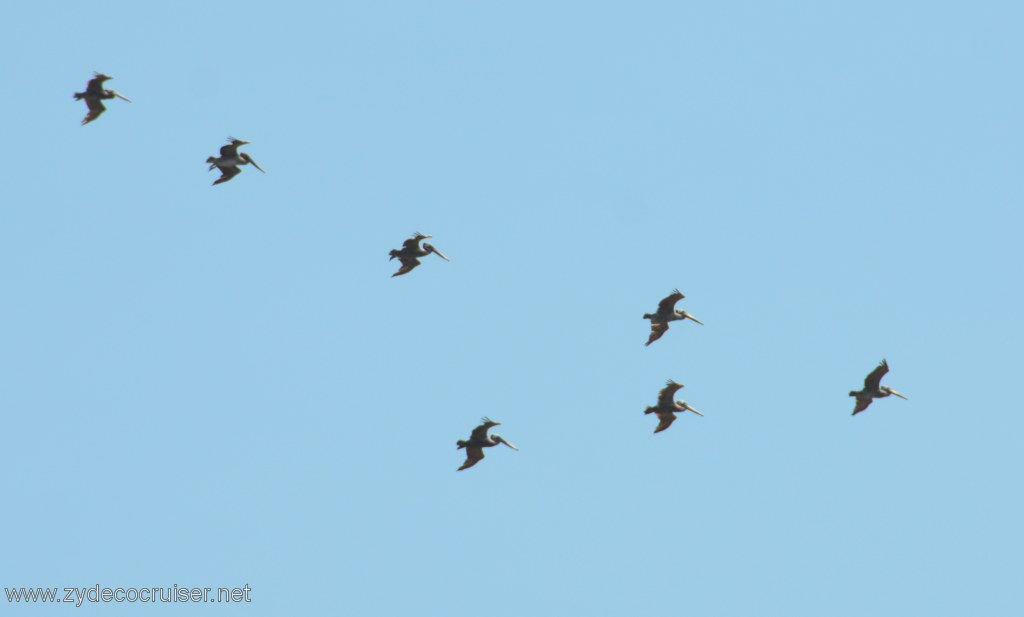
x: 213, y: 386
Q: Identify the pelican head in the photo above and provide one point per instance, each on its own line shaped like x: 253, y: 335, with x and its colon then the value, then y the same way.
x: 893, y: 392
x: 120, y: 96
x: 689, y: 316
x: 686, y: 407
x: 500, y: 439
x: 430, y: 247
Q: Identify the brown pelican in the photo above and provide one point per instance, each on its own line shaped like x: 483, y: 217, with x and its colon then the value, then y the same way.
x: 479, y: 440
x: 666, y: 312
x: 873, y: 389
x: 411, y: 251
x: 94, y: 95
x: 668, y: 406
x: 229, y: 160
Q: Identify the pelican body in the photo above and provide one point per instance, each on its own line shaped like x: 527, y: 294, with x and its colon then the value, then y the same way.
x: 668, y: 406
x: 479, y: 440
x: 411, y: 251
x: 873, y: 389
x: 94, y: 96
x: 229, y: 160
x: 667, y: 313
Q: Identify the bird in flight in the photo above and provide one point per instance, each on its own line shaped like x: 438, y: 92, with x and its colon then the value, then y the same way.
x: 668, y: 406
x: 479, y: 440
x: 667, y: 312
x: 94, y: 96
x: 229, y: 160
x: 873, y: 389
x: 411, y: 251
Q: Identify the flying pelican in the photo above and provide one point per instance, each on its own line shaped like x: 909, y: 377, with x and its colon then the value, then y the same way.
x: 411, y: 251
x: 668, y: 405
x: 873, y: 388
x: 666, y: 313
x: 479, y: 440
x: 229, y: 160
x: 94, y: 95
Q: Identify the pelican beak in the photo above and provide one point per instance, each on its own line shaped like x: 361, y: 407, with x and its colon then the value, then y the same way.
x: 502, y: 440
x: 254, y: 164
x: 441, y: 255
x: 689, y: 316
x: 895, y: 393
x: 121, y: 96
x: 688, y: 408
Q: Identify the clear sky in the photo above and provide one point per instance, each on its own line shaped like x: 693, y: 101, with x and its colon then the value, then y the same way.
x: 218, y: 386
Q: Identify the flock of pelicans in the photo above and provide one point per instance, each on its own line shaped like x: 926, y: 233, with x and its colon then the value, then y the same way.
x: 414, y: 248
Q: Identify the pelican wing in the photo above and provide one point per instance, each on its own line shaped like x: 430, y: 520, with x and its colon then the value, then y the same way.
x: 95, y: 109
x: 862, y: 404
x: 480, y: 432
x: 229, y: 151
x: 873, y: 380
x: 227, y: 173
x: 668, y: 305
x: 665, y: 420
x: 658, y: 329
x: 408, y: 263
x: 95, y: 85
x: 474, y: 454
x: 413, y: 243
x: 667, y: 396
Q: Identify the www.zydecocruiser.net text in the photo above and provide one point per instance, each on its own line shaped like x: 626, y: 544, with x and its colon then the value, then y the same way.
x: 78, y: 596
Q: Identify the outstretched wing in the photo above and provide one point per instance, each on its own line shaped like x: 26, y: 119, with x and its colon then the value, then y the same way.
x: 480, y: 432
x: 669, y: 304
x: 667, y: 396
x: 474, y: 455
x: 862, y: 404
x: 227, y: 173
x: 872, y: 381
x: 413, y: 243
x: 408, y: 263
x: 665, y: 420
x: 95, y: 109
x: 95, y: 85
x: 658, y: 329
x: 229, y: 150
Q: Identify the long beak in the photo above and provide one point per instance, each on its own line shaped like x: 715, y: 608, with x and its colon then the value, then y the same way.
x: 253, y: 163
x: 688, y: 408
x: 689, y: 316
x: 441, y: 255
x: 502, y: 440
x: 121, y: 96
x: 895, y: 393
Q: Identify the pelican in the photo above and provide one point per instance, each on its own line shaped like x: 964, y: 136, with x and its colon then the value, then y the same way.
x: 479, y: 440
x: 666, y: 313
x: 229, y: 160
x: 411, y: 251
x: 668, y: 406
x: 94, y: 96
x: 873, y: 388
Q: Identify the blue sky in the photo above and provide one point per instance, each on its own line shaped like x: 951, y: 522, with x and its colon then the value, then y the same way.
x: 217, y: 386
